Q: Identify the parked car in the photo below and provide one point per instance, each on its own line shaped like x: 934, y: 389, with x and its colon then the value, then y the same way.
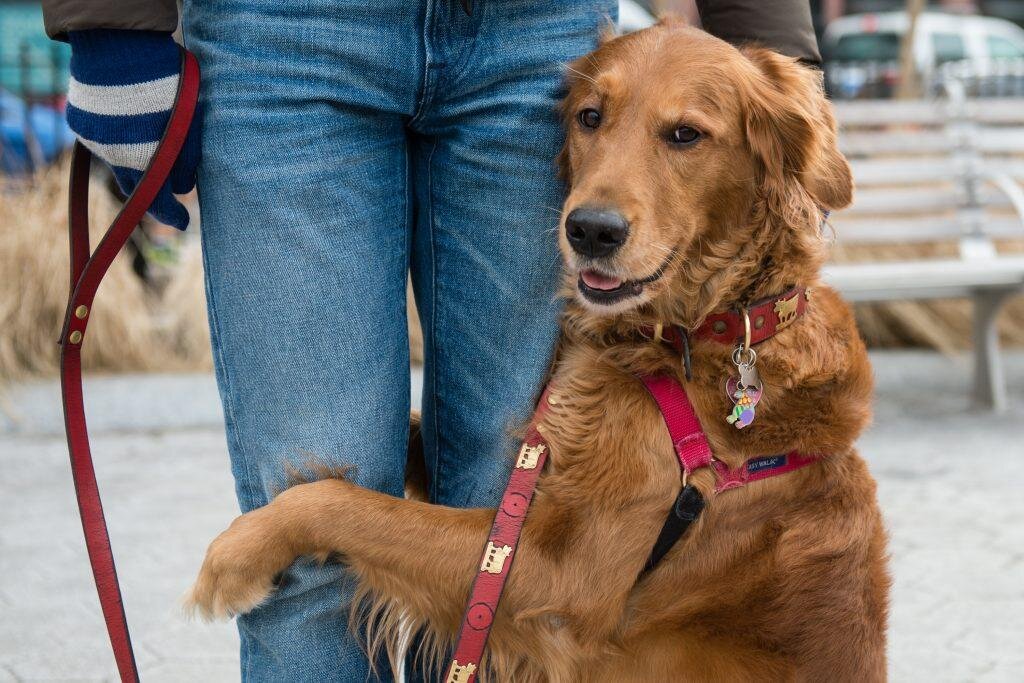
x: 862, y: 51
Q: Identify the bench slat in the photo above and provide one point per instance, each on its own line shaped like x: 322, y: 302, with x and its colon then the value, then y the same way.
x: 924, y: 279
x: 860, y: 143
x: 935, y: 142
x: 916, y: 230
x: 918, y: 200
x: 1000, y: 140
x: 881, y: 113
x: 902, y: 201
x: 1011, y: 167
x: 911, y: 171
x: 890, y: 112
x: 997, y: 110
x: 903, y: 171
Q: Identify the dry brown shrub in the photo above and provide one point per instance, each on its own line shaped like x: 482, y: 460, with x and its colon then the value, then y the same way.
x: 128, y: 330
x: 944, y: 325
x: 415, y: 331
x: 133, y: 327
x: 184, y: 304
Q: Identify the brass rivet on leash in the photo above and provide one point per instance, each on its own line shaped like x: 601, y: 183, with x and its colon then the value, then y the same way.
x: 75, y: 337
x: 81, y: 311
x: 759, y: 322
x: 719, y: 326
x: 552, y: 399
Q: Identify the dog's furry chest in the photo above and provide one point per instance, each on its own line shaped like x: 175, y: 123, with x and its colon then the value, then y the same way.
x: 612, y: 469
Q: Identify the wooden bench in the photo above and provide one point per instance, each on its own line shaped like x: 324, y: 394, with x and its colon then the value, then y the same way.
x: 937, y: 171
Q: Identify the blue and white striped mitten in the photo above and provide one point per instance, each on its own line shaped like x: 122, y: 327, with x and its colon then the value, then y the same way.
x: 120, y: 97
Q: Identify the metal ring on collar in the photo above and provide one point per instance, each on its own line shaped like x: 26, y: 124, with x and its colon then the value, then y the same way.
x: 739, y: 352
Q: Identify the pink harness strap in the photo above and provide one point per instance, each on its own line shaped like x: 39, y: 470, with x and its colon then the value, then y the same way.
x: 691, y: 444
x: 688, y: 439
x: 759, y: 468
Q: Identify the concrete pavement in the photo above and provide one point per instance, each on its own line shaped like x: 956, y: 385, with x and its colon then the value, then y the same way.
x: 950, y: 481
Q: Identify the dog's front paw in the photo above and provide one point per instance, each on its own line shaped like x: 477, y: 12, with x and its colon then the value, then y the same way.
x: 240, y: 566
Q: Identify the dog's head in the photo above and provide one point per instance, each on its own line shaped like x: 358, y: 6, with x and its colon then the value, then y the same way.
x: 694, y: 169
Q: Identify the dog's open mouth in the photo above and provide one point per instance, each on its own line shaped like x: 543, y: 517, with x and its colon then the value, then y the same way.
x: 606, y: 290
x: 603, y: 289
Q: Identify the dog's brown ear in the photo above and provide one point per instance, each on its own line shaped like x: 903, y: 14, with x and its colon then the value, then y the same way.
x: 791, y: 127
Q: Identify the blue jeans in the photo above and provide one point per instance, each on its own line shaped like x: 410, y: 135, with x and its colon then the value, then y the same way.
x: 345, y: 145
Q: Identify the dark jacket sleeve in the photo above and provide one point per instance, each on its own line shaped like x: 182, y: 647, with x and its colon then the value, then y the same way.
x: 61, y: 16
x: 781, y: 25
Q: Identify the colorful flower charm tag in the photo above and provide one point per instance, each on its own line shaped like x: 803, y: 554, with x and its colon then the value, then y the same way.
x: 744, y: 400
x: 744, y: 391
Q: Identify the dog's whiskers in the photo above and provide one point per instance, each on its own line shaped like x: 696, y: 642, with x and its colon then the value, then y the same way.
x: 582, y: 75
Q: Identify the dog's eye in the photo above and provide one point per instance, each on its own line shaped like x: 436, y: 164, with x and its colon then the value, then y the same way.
x: 684, y: 135
x: 589, y: 118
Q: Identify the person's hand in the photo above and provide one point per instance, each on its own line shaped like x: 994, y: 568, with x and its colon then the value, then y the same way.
x: 122, y: 89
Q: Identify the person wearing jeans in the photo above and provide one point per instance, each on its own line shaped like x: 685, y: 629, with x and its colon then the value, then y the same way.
x: 345, y: 145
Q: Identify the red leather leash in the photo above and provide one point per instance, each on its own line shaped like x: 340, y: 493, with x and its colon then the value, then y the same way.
x: 87, y: 271
x: 499, y: 552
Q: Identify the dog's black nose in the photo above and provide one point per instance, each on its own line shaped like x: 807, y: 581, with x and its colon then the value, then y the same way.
x: 596, y: 232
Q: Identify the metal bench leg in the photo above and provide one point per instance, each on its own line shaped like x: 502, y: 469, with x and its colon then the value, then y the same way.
x: 989, y: 380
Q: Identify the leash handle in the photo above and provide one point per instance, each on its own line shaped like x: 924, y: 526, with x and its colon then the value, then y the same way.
x: 87, y: 271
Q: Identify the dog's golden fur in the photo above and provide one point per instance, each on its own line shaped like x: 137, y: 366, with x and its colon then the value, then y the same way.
x: 784, y: 579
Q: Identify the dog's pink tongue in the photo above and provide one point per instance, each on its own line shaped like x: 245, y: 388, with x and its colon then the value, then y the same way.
x: 598, y: 281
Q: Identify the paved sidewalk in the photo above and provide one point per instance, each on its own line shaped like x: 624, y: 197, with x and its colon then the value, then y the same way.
x: 949, y: 479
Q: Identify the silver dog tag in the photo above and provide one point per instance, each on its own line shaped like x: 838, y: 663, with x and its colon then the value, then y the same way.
x: 749, y: 376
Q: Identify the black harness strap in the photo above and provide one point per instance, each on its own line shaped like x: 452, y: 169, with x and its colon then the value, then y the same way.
x: 688, y: 506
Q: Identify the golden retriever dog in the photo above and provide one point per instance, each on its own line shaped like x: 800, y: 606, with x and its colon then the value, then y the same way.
x: 707, y: 170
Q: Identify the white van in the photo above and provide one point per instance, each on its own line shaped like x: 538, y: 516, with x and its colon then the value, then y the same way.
x: 981, y: 43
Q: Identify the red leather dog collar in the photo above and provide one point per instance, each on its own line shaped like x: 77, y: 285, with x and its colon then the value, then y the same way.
x: 767, y: 317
